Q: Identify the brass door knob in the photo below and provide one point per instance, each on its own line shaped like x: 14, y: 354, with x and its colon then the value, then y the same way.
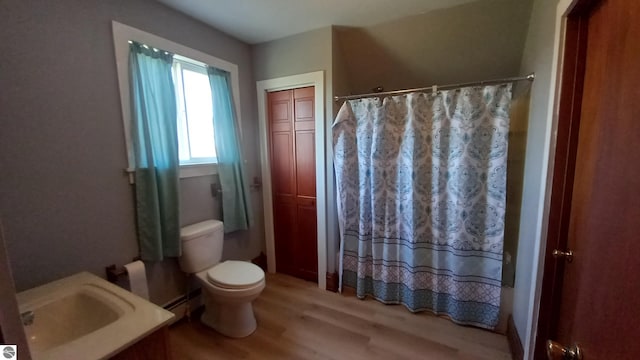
x: 556, y: 351
x: 568, y: 255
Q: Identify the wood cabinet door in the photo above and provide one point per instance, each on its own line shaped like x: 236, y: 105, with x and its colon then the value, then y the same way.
x: 292, y: 147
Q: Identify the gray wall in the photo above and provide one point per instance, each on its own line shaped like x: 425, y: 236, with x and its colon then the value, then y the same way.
x: 538, y: 58
x: 65, y: 201
x: 11, y: 329
x: 518, y: 126
x: 299, y: 54
x: 341, y: 84
x: 296, y: 54
x: 476, y: 41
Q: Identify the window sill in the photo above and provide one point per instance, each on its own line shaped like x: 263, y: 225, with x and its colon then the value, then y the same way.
x: 195, y: 170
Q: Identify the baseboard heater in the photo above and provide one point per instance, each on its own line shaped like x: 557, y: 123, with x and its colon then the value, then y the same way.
x: 178, y: 306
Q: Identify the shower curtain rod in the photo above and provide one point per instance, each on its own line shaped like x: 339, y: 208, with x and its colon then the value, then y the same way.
x: 435, y: 88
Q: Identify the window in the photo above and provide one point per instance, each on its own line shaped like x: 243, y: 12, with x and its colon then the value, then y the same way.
x: 195, y: 160
x: 196, y: 140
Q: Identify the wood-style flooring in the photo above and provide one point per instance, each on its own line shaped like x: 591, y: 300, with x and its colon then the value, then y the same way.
x: 296, y: 320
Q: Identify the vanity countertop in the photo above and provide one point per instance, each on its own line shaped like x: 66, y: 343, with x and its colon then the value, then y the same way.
x: 86, y: 317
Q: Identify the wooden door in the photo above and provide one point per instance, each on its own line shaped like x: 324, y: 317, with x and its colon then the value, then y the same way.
x: 594, y: 300
x: 293, y: 175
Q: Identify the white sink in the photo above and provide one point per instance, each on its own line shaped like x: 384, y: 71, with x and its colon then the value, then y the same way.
x: 84, y: 316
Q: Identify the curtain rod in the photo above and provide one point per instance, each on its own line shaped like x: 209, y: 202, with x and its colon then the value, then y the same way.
x: 435, y: 88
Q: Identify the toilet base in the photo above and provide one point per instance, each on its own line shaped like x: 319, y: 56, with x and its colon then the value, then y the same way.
x: 229, y: 311
x: 232, y: 320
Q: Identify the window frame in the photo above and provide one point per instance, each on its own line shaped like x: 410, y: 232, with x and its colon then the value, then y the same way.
x: 122, y: 34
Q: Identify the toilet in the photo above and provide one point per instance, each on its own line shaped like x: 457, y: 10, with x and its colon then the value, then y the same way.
x: 228, y: 287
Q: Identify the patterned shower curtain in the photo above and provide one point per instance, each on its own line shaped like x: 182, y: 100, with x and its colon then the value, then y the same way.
x: 421, y: 183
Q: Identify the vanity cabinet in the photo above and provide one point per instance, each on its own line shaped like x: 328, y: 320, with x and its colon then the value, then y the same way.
x: 154, y: 346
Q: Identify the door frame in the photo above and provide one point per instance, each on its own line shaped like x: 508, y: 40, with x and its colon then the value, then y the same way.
x: 315, y: 79
x: 551, y: 120
x: 572, y: 18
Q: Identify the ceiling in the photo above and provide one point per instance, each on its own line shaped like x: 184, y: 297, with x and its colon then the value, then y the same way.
x: 256, y: 21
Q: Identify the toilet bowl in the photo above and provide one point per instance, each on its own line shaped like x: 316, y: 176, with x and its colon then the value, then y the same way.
x: 228, y: 287
x: 228, y: 307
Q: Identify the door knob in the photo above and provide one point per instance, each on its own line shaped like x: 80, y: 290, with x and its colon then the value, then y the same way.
x: 555, y: 351
x: 568, y: 255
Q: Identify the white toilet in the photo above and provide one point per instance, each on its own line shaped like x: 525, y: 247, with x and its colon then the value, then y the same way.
x: 228, y: 287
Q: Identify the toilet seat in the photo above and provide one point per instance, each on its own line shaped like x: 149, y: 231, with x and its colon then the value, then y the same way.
x: 233, y: 274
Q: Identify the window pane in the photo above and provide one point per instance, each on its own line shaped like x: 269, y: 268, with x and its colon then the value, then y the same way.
x: 183, y: 132
x: 197, y: 93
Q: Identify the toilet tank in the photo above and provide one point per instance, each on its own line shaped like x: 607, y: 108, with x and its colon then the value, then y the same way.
x: 201, y: 245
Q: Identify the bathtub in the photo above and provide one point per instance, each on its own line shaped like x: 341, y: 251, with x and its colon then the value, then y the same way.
x: 85, y: 317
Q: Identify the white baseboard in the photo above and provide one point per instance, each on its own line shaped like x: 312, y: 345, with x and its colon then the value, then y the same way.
x: 178, y: 306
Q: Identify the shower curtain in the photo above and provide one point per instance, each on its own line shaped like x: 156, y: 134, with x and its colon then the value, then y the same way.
x: 421, y: 187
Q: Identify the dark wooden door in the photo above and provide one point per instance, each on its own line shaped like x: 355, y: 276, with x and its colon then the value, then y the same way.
x: 293, y: 173
x: 594, y: 300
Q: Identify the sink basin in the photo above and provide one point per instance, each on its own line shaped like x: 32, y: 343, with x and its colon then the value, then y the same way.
x: 72, y: 316
x: 84, y: 316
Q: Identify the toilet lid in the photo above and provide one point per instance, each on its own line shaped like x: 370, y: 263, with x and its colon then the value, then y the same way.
x: 233, y: 274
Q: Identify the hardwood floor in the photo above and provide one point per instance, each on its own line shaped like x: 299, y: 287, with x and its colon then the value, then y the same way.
x: 296, y: 320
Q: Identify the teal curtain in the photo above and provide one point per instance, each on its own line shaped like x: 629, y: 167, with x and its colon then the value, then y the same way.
x: 236, y: 209
x: 155, y: 138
